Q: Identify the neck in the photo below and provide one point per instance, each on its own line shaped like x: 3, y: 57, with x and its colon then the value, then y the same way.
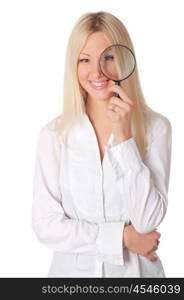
x: 97, y: 110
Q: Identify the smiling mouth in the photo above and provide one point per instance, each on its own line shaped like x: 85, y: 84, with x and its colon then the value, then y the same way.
x: 98, y: 85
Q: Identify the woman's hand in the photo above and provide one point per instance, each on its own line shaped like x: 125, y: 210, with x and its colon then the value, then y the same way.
x: 119, y: 111
x: 142, y: 244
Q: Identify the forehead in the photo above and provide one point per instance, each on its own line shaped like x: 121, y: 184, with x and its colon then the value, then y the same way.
x: 96, y: 43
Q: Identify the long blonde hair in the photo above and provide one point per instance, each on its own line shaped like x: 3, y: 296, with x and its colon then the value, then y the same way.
x: 74, y: 96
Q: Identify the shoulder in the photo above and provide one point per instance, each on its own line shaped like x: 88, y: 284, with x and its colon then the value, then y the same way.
x: 47, y: 136
x: 49, y: 128
x: 156, y: 125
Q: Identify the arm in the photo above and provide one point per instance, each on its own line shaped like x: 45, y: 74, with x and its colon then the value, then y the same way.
x: 50, y: 223
x: 145, y: 181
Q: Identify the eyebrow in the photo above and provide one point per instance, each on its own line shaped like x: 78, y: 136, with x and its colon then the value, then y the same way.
x: 85, y: 53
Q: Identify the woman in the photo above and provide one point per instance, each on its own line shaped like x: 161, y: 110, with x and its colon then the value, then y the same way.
x: 102, y: 166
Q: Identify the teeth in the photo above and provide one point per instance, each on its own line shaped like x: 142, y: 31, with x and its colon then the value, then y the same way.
x: 98, y: 83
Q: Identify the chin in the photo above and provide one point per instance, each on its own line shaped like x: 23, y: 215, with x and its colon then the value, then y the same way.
x: 99, y: 95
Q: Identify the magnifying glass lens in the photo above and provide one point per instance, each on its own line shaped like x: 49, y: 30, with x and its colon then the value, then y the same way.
x: 117, y: 62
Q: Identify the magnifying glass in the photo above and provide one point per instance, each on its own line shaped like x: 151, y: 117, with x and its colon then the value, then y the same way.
x: 117, y: 63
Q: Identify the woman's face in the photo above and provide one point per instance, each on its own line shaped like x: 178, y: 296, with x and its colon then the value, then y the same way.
x: 89, y: 75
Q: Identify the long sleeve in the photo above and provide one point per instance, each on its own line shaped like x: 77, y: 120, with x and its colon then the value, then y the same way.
x: 49, y: 220
x: 145, y: 180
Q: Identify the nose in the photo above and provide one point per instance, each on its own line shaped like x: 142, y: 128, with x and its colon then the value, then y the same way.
x: 96, y: 70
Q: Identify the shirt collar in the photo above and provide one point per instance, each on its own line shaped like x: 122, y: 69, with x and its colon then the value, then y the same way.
x: 87, y: 124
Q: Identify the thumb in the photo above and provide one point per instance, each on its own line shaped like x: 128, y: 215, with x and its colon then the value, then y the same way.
x: 151, y: 257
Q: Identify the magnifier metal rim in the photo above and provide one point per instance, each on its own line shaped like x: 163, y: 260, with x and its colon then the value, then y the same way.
x: 118, y: 80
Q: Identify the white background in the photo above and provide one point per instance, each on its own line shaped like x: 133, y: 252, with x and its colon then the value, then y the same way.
x: 33, y: 37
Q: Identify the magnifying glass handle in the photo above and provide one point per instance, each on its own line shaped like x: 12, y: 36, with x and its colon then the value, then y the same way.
x: 117, y: 82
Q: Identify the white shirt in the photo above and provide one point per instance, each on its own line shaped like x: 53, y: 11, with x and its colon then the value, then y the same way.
x: 80, y: 206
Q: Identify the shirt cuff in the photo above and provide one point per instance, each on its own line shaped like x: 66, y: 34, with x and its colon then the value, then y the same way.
x: 110, y: 242
x: 125, y: 157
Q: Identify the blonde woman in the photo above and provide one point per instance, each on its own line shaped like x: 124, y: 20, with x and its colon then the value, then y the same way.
x: 102, y: 166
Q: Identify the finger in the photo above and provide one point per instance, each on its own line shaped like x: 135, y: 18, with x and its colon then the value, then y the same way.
x: 119, y: 90
x: 115, y: 108
x: 112, y: 107
x: 124, y: 107
x: 156, y: 234
x: 151, y: 257
x: 111, y: 112
x: 119, y: 102
x: 154, y: 248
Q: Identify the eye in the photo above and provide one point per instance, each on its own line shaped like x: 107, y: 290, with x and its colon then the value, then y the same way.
x: 108, y: 57
x: 85, y: 60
